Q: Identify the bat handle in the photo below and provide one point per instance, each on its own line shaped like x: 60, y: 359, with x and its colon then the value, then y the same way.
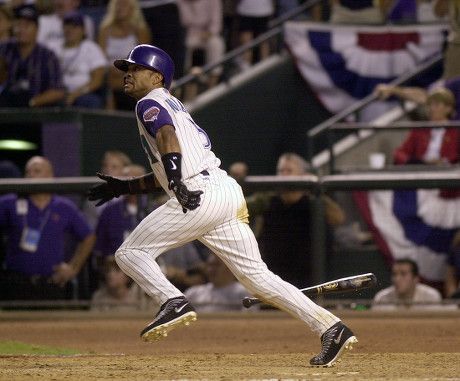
x: 248, y: 302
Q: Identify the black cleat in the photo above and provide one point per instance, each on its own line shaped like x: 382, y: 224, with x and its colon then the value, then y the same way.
x: 333, y: 342
x: 173, y: 313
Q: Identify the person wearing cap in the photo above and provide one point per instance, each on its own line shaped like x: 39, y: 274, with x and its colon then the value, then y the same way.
x: 432, y: 145
x: 34, y: 75
x: 51, y: 27
x: 83, y: 65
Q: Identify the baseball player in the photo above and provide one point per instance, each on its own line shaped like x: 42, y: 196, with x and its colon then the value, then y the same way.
x: 205, y: 204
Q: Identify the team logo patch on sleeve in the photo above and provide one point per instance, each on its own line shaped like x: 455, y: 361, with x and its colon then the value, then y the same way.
x: 151, y: 114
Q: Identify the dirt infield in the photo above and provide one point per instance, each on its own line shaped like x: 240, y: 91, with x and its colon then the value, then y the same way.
x: 231, y: 347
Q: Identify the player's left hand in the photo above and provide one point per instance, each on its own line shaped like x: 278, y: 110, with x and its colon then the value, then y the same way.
x: 189, y: 200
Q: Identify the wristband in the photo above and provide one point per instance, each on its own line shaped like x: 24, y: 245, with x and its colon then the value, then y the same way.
x: 172, y: 163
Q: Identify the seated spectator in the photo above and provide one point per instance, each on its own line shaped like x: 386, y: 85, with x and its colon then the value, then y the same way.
x: 36, y: 227
x: 253, y: 21
x: 183, y: 266
x: 359, y: 11
x: 51, y: 28
x: 284, y: 237
x: 113, y: 163
x: 238, y: 170
x: 83, y: 65
x: 221, y: 293
x: 452, y: 281
x: 202, y: 20
x: 419, y: 95
x: 118, y: 292
x: 6, y: 23
x: 406, y: 290
x: 432, y: 145
x: 34, y: 75
x: 122, y: 28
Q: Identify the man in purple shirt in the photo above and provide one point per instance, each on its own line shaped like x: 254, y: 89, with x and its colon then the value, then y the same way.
x: 35, y: 266
x: 34, y: 75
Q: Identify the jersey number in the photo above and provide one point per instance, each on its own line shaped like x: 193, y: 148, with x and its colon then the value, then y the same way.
x: 148, y: 150
x: 203, y: 135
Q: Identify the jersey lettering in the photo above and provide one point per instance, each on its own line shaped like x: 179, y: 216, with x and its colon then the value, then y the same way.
x: 175, y: 104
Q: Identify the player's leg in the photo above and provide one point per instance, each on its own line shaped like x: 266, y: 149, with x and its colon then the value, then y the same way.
x: 163, y: 229
x: 242, y: 256
x: 234, y: 242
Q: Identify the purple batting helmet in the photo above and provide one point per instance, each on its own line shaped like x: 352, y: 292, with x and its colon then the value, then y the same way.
x: 150, y: 57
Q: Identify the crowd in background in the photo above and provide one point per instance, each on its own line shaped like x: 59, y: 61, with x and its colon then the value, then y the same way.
x: 74, y: 44
x: 60, y: 53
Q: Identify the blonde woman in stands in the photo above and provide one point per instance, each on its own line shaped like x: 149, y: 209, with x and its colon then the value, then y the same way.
x: 122, y: 28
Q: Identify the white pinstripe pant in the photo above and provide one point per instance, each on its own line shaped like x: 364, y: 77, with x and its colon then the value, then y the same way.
x: 215, y: 223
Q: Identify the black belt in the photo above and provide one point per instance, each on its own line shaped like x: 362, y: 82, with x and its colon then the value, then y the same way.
x: 205, y: 172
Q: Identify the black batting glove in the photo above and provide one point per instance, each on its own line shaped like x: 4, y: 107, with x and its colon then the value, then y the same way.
x: 189, y: 200
x: 112, y: 188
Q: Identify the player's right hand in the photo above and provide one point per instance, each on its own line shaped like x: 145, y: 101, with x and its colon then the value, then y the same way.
x: 189, y: 200
x: 103, y: 193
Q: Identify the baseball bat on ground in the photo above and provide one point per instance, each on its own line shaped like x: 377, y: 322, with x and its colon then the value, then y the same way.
x: 348, y: 284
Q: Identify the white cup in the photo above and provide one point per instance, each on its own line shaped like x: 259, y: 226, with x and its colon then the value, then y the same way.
x: 377, y: 160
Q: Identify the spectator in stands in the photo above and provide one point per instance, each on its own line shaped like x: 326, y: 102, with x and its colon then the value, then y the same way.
x: 419, y: 95
x: 221, y: 293
x: 432, y: 145
x: 113, y: 163
x: 83, y: 65
x: 51, y: 28
x: 171, y: 39
x: 6, y: 23
x: 284, y: 238
x: 359, y: 11
x: 406, y: 290
x: 122, y: 28
x: 183, y: 266
x: 451, y: 62
x: 238, y: 170
x: 36, y: 227
x: 452, y: 280
x: 34, y: 76
x: 202, y: 20
x: 118, y: 293
x: 253, y: 21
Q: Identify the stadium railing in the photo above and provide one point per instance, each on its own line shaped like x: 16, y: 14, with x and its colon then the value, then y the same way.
x: 363, y: 181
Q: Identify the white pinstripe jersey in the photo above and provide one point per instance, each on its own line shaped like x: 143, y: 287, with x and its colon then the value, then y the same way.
x: 159, y: 108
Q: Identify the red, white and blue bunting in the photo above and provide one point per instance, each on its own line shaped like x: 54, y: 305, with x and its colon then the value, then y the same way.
x: 343, y: 63
x: 416, y: 224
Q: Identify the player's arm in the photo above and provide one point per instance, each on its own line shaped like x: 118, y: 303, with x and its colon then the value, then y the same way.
x: 115, y: 187
x: 171, y: 157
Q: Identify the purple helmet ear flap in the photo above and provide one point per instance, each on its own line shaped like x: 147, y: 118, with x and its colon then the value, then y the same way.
x: 150, y: 57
